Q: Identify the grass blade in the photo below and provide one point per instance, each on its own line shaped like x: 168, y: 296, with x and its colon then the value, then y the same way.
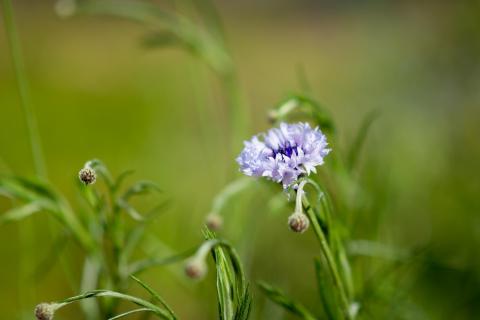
x: 325, y: 289
x: 360, y: 137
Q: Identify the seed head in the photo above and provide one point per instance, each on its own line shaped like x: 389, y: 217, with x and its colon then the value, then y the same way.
x: 298, y: 222
x: 214, y: 221
x: 45, y: 311
x: 87, y: 175
x: 195, y: 268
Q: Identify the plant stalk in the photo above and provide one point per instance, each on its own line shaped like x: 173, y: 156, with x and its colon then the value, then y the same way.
x: 23, y: 89
x: 328, y: 257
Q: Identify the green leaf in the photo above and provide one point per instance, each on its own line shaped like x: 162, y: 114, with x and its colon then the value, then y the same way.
x: 133, y: 238
x: 129, y: 209
x: 27, y: 190
x: 326, y: 291
x: 244, y: 305
x: 129, y: 313
x: 160, y: 39
x: 155, y: 295
x: 21, y: 212
x: 234, y: 298
x: 287, y: 303
x: 360, y: 138
x: 159, y: 312
x: 142, y: 265
x: 39, y: 196
x: 121, y: 178
x: 139, y: 188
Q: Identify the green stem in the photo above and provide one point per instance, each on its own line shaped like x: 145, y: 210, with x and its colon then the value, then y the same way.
x: 328, y: 257
x: 162, y: 314
x: 23, y: 89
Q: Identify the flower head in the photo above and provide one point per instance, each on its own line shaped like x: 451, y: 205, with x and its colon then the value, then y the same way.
x: 87, y: 175
x: 283, y: 154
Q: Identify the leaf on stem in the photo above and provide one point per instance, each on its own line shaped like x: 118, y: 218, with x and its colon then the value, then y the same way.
x: 358, y: 142
x: 280, y: 298
x: 325, y: 289
x: 155, y: 295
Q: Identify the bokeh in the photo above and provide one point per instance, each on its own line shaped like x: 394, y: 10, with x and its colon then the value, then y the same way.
x: 100, y: 92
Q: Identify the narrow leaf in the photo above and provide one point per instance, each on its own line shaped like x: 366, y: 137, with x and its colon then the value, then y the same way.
x: 141, y: 187
x: 325, y: 290
x: 121, y: 178
x: 21, y: 212
x: 155, y: 295
x: 129, y: 209
x: 287, y: 303
x: 360, y: 138
x: 129, y: 313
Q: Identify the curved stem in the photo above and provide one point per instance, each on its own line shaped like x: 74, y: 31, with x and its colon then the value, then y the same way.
x: 162, y: 314
x: 328, y: 257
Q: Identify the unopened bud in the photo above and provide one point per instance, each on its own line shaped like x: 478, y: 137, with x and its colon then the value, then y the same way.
x: 87, y: 175
x: 195, y: 268
x: 45, y: 311
x: 272, y: 116
x: 214, y: 221
x: 298, y: 222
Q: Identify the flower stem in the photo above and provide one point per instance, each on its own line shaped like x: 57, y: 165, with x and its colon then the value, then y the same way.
x: 23, y: 89
x: 332, y: 265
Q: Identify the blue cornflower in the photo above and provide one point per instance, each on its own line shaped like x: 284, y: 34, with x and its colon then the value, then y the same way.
x: 285, y: 154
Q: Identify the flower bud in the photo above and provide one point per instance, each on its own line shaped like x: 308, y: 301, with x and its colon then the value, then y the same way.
x: 87, y: 175
x: 45, y: 311
x: 298, y: 222
x: 272, y: 116
x: 195, y: 268
x: 214, y: 221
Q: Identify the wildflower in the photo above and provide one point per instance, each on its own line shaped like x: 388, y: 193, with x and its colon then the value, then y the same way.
x: 87, y: 175
x: 214, y: 221
x: 45, y: 311
x: 298, y: 221
x: 284, y: 154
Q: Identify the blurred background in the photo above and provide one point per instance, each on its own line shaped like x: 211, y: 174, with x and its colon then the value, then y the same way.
x: 99, y: 92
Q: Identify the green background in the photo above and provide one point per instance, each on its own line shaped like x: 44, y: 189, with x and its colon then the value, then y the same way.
x: 99, y: 94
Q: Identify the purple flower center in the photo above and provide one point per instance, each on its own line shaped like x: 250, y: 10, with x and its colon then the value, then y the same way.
x: 286, y: 150
x: 285, y: 153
